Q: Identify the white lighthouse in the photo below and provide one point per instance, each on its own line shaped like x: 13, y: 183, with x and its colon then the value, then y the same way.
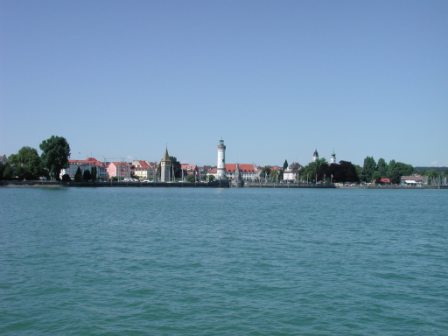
x: 221, y: 164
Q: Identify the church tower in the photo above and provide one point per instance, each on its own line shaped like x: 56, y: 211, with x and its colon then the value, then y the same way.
x: 221, y: 164
x: 165, y: 168
x: 333, y: 157
x: 315, y: 155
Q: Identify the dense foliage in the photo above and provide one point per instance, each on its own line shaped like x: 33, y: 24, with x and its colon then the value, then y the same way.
x: 26, y: 164
x: 372, y: 171
x: 55, y: 154
x: 320, y: 170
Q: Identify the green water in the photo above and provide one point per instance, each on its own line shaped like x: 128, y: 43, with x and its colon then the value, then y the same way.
x: 154, y: 261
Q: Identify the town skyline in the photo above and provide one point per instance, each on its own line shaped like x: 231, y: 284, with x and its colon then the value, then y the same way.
x: 275, y: 81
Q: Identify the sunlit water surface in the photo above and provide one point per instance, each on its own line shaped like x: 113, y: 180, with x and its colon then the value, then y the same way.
x: 158, y: 261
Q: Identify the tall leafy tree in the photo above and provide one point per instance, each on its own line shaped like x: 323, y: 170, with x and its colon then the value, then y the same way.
x: 285, y: 164
x: 176, y: 167
x: 26, y: 164
x: 381, y: 167
x: 55, y: 154
x: 6, y: 171
x: 94, y: 173
x: 78, y: 175
x: 86, y: 175
x: 368, y: 169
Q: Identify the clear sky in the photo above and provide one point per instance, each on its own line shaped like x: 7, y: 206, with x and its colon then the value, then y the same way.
x: 274, y: 79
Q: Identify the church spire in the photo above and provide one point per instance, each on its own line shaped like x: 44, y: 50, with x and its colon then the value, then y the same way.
x: 166, y: 157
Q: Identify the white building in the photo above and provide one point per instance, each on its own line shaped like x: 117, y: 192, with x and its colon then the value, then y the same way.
x: 83, y: 165
x: 247, y: 171
x: 144, y: 170
x: 291, y: 173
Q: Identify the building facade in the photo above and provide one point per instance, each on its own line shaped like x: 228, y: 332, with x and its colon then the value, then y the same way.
x: 144, y: 170
x: 83, y: 165
x: 247, y: 171
x: 119, y: 170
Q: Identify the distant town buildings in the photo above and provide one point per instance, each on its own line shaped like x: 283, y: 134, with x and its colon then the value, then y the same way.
x: 168, y: 169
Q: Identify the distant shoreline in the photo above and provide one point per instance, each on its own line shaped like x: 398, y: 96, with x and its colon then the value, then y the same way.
x: 214, y: 184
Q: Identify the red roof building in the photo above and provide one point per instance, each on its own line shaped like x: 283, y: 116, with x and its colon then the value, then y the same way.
x: 384, y: 180
x: 84, y: 165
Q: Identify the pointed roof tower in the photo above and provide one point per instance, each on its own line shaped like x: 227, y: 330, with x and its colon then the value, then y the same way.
x: 315, y: 155
x: 166, y: 157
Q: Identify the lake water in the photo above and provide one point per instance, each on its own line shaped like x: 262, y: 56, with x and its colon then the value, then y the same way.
x: 155, y: 261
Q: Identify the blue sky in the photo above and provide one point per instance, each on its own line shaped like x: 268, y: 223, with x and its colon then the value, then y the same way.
x: 274, y: 79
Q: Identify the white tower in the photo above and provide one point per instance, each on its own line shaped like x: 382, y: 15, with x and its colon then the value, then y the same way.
x: 221, y: 164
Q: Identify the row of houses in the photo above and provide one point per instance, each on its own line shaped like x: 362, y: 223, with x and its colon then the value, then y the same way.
x: 146, y: 170
x: 107, y: 170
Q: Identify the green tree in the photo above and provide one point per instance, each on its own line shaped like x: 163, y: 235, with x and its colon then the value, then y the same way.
x: 368, y: 169
x: 55, y: 154
x: 265, y: 172
x: 396, y: 170
x: 275, y: 176
x: 26, y: 164
x: 191, y: 178
x: 316, y: 171
x: 211, y: 178
x: 7, y: 172
x: 94, y: 173
x: 78, y: 175
x: 381, y: 167
x: 176, y: 167
x: 343, y: 172
x: 285, y: 165
x: 376, y: 175
x: 86, y: 175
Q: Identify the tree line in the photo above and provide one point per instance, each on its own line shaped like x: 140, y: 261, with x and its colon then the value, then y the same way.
x: 27, y: 164
x: 373, y: 171
x: 345, y: 171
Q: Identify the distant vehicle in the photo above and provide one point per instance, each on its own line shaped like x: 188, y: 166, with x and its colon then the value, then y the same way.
x: 128, y: 179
